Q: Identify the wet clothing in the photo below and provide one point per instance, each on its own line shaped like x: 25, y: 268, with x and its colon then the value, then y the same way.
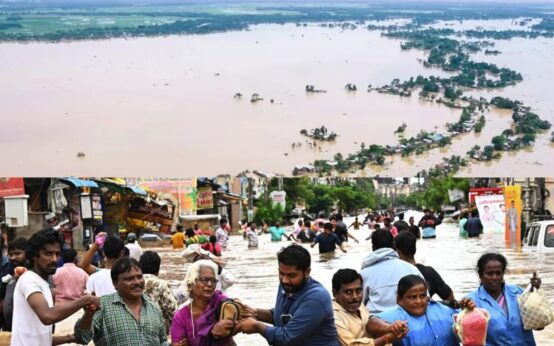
x: 351, y: 327
x: 303, y: 318
x: 401, y: 225
x: 414, y: 229
x: 432, y: 329
x: 341, y: 231
x: 215, y: 249
x: 178, y: 240
x: 474, y: 227
x: 428, y: 223
x: 381, y: 271
x: 161, y: 294
x: 461, y: 224
x: 435, y: 283
x: 115, y: 325
x: 197, y: 332
x: 503, y: 328
x: 252, y: 237
x: 327, y: 242
x: 222, y: 237
x: 277, y: 233
x: 307, y: 236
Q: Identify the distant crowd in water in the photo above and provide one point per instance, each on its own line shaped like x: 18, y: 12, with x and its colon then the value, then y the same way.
x: 390, y: 299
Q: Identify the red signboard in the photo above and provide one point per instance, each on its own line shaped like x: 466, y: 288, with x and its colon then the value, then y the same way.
x: 11, y: 187
x: 483, y: 191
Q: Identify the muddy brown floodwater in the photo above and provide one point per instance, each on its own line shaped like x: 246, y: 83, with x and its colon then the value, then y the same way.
x: 454, y: 258
x: 168, y: 102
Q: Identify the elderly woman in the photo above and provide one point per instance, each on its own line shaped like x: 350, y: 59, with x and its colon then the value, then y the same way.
x: 195, y: 324
x: 500, y: 300
x: 429, y: 322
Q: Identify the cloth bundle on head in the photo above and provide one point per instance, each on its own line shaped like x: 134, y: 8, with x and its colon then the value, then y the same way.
x: 194, y: 250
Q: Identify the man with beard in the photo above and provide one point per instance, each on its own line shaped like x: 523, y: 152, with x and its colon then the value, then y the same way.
x: 34, y: 309
x: 16, y: 255
x: 127, y: 317
x: 352, y: 318
x: 303, y: 313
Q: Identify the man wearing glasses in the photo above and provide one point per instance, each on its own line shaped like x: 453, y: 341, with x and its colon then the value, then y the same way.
x: 303, y: 313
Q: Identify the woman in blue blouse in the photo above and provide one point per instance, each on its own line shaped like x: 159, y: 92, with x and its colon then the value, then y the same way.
x: 429, y: 322
x: 500, y: 300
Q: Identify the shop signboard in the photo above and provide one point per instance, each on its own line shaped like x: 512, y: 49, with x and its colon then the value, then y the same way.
x: 483, y: 191
x: 11, y: 187
x: 455, y: 195
x: 491, y: 212
x: 513, y: 208
x: 97, y: 207
x: 184, y: 190
x: 279, y: 197
x: 143, y: 210
x: 204, y: 198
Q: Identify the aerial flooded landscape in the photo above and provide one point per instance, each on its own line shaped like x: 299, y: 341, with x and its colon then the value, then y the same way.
x: 404, y: 88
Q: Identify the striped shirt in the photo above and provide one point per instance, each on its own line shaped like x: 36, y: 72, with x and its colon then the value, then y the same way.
x: 114, y: 324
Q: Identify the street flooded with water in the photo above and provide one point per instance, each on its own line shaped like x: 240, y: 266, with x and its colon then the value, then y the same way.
x: 454, y: 258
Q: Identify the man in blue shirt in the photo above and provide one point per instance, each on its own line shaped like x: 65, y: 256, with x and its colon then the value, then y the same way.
x: 327, y: 240
x: 303, y: 313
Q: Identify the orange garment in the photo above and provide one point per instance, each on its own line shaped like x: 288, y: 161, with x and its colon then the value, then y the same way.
x: 178, y: 240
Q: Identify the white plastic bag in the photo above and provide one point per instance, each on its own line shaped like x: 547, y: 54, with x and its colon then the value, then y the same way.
x: 536, y: 312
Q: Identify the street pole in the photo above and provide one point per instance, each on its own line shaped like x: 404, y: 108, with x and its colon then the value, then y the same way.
x: 250, y: 200
x: 527, y: 201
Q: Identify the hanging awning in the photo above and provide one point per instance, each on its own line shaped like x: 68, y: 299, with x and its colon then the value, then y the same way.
x: 116, y: 186
x: 137, y: 190
x: 76, y: 182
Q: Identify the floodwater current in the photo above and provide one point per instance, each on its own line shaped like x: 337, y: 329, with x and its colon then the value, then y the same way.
x: 454, y: 258
x: 167, y: 102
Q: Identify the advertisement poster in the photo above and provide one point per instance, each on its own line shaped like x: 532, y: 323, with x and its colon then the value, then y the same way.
x: 279, y: 197
x: 11, y: 187
x: 184, y: 190
x: 491, y: 212
x: 204, y: 198
x: 512, y: 196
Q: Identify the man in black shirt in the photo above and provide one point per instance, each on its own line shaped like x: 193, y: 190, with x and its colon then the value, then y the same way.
x: 340, y: 229
x: 413, y: 228
x: 401, y: 225
x: 406, y: 247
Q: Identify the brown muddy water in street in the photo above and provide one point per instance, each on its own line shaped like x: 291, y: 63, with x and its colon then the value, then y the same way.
x: 454, y: 258
x: 167, y: 103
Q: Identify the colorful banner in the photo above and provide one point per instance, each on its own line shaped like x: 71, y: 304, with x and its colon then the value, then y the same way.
x: 11, y: 187
x: 513, y: 208
x: 491, y: 212
x: 204, y: 198
x: 184, y: 190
